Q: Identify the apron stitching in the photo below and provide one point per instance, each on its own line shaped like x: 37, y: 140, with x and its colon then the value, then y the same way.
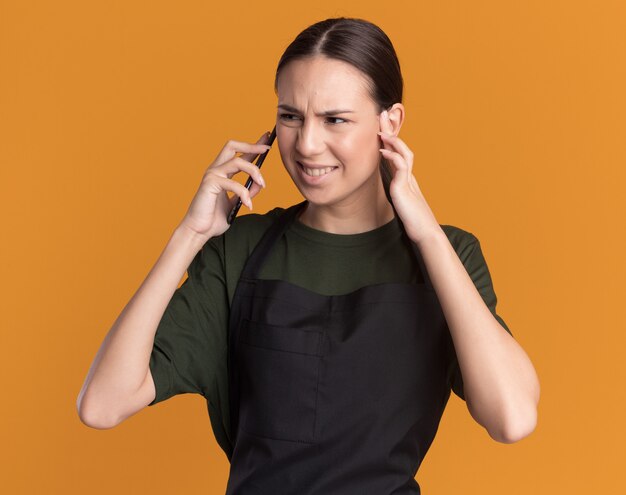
x: 275, y: 438
x: 274, y: 349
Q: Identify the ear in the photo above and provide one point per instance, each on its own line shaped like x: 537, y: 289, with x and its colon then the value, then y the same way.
x: 395, y: 118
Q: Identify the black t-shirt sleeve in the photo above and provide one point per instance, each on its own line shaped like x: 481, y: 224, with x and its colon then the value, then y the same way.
x: 191, y: 333
x: 472, y: 258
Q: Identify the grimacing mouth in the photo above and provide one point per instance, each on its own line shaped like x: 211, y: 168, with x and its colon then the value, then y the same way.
x: 320, y: 167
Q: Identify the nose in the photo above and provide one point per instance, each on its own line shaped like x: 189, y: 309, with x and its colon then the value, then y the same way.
x: 310, y: 139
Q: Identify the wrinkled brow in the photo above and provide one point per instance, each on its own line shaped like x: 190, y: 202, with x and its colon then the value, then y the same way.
x: 322, y: 114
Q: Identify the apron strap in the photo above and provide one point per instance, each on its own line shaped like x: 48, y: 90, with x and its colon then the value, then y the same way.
x: 263, y: 247
x: 249, y: 273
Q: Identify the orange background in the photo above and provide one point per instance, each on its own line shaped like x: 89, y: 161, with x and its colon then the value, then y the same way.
x: 111, y: 112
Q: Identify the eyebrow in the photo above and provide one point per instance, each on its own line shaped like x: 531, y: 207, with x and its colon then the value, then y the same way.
x: 322, y: 114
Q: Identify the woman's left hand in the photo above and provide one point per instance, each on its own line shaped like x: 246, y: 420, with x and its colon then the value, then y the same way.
x: 408, y: 201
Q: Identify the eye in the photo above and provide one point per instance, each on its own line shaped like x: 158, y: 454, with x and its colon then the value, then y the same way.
x: 286, y: 116
x: 337, y: 118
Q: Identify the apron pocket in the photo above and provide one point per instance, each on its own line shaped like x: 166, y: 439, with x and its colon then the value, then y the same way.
x: 279, y: 370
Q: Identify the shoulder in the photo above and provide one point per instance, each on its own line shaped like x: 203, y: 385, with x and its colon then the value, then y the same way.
x: 238, y: 241
x: 224, y: 256
x: 248, y: 229
x: 254, y: 221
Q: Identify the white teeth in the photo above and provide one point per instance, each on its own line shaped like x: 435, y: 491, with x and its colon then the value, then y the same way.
x: 315, y: 172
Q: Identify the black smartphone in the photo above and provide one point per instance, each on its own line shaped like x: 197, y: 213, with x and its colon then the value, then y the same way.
x: 259, y: 162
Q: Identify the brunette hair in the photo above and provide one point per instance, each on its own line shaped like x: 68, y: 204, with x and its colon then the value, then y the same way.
x: 363, y: 45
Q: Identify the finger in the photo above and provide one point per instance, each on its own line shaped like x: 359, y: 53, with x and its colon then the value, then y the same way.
x: 385, y: 129
x: 393, y: 142
x: 254, y: 190
x: 398, y: 162
x: 232, y: 147
x: 262, y: 140
x: 396, y: 144
x: 385, y: 125
x: 236, y: 188
x: 238, y: 164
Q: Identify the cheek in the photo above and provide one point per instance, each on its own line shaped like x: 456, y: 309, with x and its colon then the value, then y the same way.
x: 284, y: 140
x: 358, y: 148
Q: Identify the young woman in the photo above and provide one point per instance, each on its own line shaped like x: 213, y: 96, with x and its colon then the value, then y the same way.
x: 326, y: 337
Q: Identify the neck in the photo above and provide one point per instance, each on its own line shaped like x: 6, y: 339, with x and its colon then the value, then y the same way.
x: 349, y: 217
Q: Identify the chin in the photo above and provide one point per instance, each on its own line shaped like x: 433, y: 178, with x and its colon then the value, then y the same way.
x: 323, y: 198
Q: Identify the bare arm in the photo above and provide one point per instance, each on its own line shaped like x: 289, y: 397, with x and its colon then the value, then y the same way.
x: 500, y: 383
x: 119, y: 382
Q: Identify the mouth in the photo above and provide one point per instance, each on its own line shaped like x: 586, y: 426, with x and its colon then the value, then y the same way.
x: 315, y: 173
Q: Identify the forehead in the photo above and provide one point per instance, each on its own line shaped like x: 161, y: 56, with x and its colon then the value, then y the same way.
x: 323, y: 83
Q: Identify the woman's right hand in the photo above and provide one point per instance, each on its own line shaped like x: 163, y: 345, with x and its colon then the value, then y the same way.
x: 209, y: 209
